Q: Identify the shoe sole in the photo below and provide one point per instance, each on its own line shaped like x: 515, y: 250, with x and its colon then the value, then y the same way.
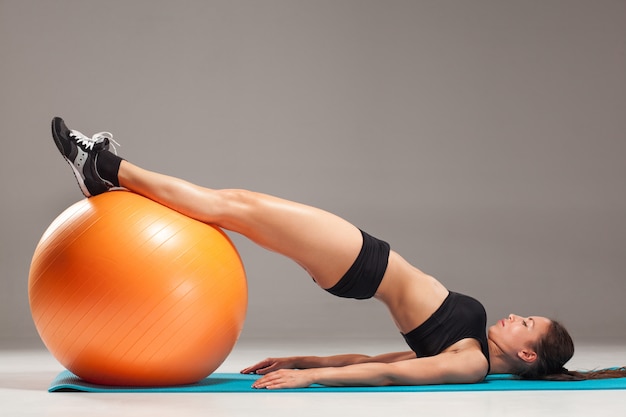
x: 77, y: 175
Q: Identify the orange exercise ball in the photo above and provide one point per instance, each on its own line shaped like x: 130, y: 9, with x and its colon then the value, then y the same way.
x: 124, y: 291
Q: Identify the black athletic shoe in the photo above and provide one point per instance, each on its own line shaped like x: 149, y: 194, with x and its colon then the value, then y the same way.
x: 81, y: 153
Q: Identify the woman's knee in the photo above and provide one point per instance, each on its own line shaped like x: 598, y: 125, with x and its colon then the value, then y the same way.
x: 231, y: 205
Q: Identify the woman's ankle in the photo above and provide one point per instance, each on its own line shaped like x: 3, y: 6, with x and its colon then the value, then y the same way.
x: 108, y: 165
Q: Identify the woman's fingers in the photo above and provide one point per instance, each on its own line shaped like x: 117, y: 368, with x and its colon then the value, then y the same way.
x: 284, y: 378
x: 254, y: 368
x: 263, y: 367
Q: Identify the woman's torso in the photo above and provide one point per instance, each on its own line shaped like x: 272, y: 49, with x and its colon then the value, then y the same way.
x: 410, y: 295
x: 415, y: 298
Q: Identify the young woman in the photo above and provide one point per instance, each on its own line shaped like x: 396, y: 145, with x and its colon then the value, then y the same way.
x: 445, y: 331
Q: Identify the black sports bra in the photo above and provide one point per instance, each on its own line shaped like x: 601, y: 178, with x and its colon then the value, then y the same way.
x: 459, y: 317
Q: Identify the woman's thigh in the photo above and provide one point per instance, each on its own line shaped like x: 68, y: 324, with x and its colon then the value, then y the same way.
x: 322, y: 243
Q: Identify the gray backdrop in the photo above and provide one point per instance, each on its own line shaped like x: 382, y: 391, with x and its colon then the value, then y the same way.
x: 485, y: 140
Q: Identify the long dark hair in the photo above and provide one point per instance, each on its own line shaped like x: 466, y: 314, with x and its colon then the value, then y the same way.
x: 553, y: 350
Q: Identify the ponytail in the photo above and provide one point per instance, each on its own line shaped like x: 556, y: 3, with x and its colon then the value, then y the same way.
x: 553, y: 351
x: 566, y: 375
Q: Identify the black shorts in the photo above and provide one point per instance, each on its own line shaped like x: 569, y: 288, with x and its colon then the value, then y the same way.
x: 364, y: 276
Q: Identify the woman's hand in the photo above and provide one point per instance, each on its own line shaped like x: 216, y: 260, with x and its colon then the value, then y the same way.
x: 271, y: 364
x: 285, y: 378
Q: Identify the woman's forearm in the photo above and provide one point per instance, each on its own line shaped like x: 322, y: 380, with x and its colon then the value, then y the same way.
x: 308, y: 362
x: 312, y: 362
x: 364, y: 374
x: 368, y: 374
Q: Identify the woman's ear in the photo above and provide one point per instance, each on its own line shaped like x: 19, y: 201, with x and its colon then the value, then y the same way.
x: 528, y: 356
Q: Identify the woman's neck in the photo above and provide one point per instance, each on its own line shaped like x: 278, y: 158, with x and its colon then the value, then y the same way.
x: 498, y: 360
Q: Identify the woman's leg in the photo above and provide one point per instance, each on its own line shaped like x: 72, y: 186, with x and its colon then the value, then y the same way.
x: 322, y: 243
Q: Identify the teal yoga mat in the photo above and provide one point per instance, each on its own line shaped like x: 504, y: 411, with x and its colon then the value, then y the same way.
x: 222, y: 383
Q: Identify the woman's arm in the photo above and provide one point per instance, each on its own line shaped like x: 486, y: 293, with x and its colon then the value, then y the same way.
x: 467, y: 366
x: 307, y: 362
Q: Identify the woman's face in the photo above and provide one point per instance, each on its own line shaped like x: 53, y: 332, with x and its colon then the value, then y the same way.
x: 517, y: 336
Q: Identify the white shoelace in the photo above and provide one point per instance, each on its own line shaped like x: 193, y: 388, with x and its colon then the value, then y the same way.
x: 95, y: 139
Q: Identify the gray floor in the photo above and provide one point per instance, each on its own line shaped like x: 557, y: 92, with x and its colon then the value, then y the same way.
x: 25, y: 375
